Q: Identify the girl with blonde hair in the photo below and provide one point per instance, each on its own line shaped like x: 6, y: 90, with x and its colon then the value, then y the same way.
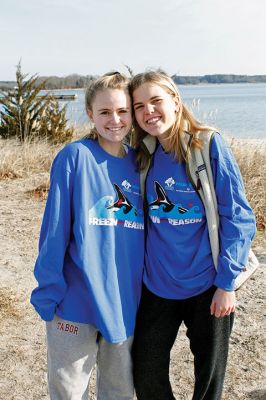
x: 181, y: 283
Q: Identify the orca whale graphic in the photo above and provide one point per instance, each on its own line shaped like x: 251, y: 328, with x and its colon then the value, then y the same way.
x: 163, y: 200
x: 121, y: 201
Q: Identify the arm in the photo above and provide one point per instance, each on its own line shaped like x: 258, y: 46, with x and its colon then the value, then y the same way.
x: 237, y: 225
x: 54, y: 239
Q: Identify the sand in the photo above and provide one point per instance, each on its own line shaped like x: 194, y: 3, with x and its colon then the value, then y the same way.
x: 22, y: 340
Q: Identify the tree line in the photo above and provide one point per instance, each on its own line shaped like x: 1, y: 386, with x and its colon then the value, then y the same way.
x: 73, y: 81
x: 76, y: 81
x: 218, y: 78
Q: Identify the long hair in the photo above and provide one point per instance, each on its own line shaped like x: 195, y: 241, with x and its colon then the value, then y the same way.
x: 185, y: 120
x: 110, y: 80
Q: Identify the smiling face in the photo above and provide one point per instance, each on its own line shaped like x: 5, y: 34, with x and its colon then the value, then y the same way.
x: 155, y: 109
x: 111, y: 114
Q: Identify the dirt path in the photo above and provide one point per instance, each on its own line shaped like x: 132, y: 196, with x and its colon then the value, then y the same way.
x: 22, y: 343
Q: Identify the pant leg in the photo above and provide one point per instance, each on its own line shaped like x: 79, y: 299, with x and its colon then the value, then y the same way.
x: 71, y: 351
x: 209, y: 343
x: 114, y: 370
x: 158, y: 322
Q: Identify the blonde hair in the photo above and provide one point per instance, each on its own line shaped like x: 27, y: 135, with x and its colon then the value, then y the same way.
x: 110, y: 80
x: 185, y: 120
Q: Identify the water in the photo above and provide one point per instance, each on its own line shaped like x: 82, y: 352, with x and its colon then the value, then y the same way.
x: 238, y: 110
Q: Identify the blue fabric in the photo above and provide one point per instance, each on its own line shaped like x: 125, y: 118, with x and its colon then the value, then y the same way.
x: 178, y: 260
x: 91, y: 248
x: 237, y: 221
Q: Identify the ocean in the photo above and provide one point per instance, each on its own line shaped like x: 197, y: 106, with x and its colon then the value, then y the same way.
x: 237, y: 110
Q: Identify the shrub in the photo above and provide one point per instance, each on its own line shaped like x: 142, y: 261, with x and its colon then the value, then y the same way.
x: 28, y: 115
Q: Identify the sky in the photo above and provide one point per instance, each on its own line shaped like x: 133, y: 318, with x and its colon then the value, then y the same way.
x: 91, y: 37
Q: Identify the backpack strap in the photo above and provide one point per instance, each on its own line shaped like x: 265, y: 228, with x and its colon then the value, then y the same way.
x: 198, y: 165
x: 149, y: 146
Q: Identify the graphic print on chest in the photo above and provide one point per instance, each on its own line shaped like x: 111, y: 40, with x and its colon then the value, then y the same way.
x: 163, y: 209
x: 122, y: 203
x: 117, y: 210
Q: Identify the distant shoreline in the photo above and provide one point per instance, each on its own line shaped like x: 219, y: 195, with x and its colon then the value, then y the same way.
x: 76, y: 81
x: 12, y: 85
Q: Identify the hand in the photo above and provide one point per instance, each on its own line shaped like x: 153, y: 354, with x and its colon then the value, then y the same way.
x: 223, y: 303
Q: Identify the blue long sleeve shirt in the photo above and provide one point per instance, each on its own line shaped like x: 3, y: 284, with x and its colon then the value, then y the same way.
x: 91, y: 249
x: 178, y: 259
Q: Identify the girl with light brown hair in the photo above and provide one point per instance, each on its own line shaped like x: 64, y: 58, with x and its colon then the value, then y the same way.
x: 181, y: 283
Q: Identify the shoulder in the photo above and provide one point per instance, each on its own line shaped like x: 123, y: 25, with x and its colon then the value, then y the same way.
x: 220, y: 148
x: 211, y: 138
x: 68, y: 157
x: 222, y: 155
x: 80, y: 146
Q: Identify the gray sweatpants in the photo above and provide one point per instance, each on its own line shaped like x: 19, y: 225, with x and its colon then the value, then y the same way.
x: 73, y: 350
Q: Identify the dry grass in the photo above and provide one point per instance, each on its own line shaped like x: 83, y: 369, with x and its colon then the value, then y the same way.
x: 251, y: 157
x: 19, y: 160
x: 41, y: 191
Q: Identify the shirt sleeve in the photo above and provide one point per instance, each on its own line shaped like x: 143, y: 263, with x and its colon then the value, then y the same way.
x: 237, y: 221
x: 54, y: 239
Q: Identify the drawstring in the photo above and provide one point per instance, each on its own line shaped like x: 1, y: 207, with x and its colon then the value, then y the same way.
x: 198, y: 185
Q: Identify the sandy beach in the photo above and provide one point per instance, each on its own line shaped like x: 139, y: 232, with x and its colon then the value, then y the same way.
x: 22, y: 340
